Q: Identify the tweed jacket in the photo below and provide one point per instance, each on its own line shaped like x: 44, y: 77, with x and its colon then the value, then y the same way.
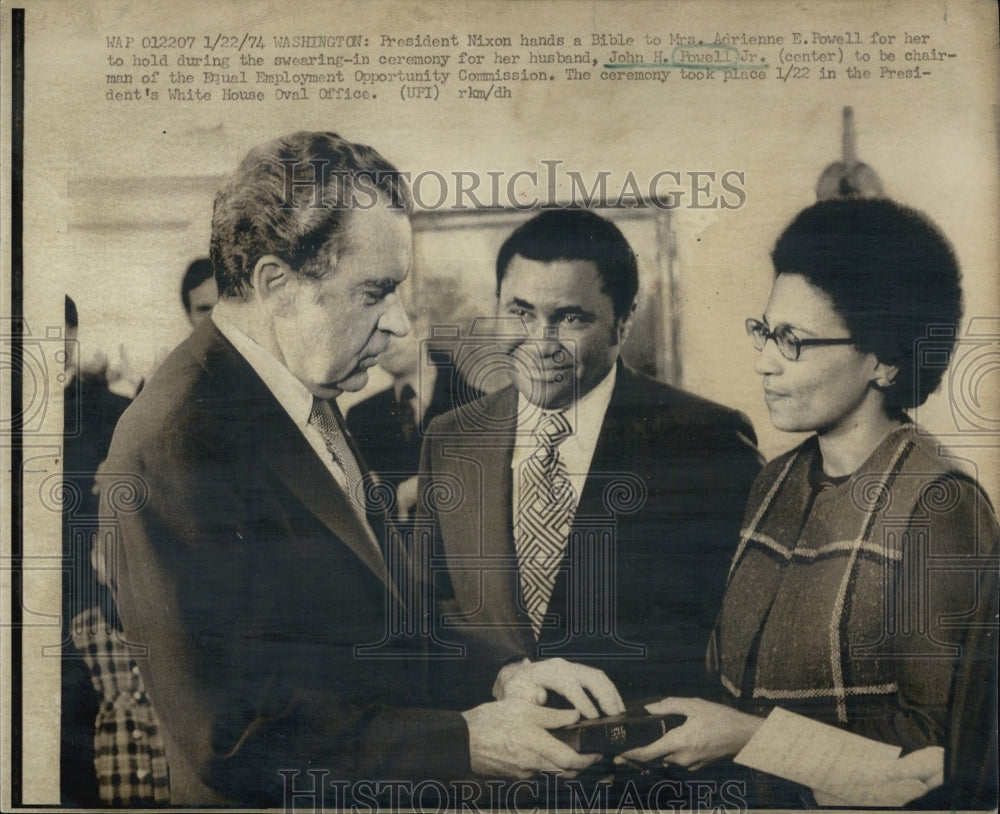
x: 848, y: 602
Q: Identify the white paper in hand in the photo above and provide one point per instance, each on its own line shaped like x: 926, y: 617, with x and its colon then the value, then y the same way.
x: 818, y: 755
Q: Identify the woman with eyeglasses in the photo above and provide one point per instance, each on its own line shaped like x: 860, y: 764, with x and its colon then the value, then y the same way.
x: 862, y: 594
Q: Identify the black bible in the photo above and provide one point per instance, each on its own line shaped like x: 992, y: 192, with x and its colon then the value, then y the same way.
x: 619, y: 733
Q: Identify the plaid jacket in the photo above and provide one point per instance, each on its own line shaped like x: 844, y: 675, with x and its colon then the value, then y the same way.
x: 128, y: 750
x: 847, y: 602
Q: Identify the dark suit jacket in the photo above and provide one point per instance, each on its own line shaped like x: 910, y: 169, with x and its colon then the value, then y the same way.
x: 376, y: 425
x: 656, y: 525
x: 245, y: 572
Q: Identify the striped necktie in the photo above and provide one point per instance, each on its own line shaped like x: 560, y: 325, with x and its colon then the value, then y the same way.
x: 546, y: 505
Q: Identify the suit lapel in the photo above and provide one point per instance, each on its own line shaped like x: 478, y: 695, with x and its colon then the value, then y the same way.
x: 489, y: 486
x: 295, y: 462
x: 284, y: 448
x: 615, y: 450
x: 375, y: 518
x: 619, y: 443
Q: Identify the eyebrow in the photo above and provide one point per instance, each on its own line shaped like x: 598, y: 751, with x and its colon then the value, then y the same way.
x: 558, y: 313
x: 571, y: 310
x: 385, y: 285
x: 520, y: 303
x: 787, y: 326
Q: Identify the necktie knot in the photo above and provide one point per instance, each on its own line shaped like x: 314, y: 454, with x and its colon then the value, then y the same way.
x: 407, y: 394
x: 321, y: 417
x: 552, y: 430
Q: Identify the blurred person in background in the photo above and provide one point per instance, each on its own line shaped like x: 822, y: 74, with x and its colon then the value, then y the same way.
x: 389, y: 426
x: 111, y: 751
x: 199, y: 291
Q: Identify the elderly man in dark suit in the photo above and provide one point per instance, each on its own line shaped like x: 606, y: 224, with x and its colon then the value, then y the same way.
x: 248, y: 563
x: 599, y: 508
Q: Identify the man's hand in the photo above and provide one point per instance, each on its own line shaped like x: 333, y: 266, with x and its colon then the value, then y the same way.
x: 406, y: 498
x: 712, y: 731
x: 531, y: 681
x: 509, y: 739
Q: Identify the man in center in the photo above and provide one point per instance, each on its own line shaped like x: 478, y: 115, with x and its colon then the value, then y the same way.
x: 599, y: 508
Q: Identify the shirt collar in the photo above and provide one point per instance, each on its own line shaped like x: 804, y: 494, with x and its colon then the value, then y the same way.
x: 422, y: 383
x: 585, y: 416
x: 291, y: 394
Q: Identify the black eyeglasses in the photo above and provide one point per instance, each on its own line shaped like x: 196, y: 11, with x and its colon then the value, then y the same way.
x: 789, y: 345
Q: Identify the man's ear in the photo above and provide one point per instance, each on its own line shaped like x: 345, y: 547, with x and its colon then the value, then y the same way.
x: 625, y: 324
x: 274, y: 283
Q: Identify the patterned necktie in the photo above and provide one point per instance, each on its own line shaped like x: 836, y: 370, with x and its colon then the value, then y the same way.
x: 323, y: 419
x: 546, y: 505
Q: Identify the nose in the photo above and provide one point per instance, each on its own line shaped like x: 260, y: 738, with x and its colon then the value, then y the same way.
x: 394, y: 320
x: 548, y: 342
x: 769, y: 359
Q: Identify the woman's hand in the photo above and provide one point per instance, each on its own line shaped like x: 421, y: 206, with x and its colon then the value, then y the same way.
x: 712, y: 731
x: 903, y: 780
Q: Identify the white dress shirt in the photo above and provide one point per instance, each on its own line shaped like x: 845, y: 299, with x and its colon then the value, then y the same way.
x: 585, y: 419
x: 291, y: 394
